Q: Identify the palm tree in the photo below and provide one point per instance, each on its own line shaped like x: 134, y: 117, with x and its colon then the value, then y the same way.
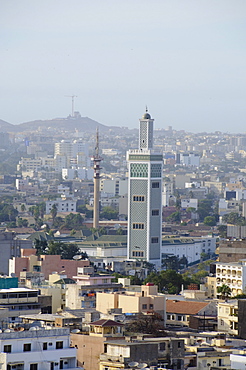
x: 53, y: 212
x: 224, y: 291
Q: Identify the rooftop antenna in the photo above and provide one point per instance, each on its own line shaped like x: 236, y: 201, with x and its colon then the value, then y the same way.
x: 72, y: 96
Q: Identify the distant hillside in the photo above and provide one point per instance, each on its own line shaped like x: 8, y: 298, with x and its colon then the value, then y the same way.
x: 5, y: 126
x: 67, y: 124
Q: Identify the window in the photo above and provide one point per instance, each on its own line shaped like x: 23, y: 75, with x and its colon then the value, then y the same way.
x: 155, y: 184
x: 138, y: 226
x: 27, y: 347
x: 155, y: 240
x: 138, y: 198
x: 162, y: 346
x: 137, y: 254
x: 7, y: 348
x: 33, y: 366
x: 144, y: 306
x: 179, y: 318
x: 155, y: 212
x: 179, y: 344
x: 151, y: 306
x: 168, y: 317
x: 59, y: 345
x: 45, y: 346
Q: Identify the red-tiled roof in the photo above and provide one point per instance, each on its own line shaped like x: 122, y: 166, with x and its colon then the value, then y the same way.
x: 184, y: 307
x: 106, y: 323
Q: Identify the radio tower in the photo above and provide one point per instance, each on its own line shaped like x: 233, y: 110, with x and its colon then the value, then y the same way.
x: 97, y: 159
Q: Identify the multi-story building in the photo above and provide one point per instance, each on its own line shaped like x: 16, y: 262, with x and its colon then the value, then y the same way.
x: 147, y: 300
x: 115, y: 186
x: 63, y: 205
x: 228, y: 317
x: 18, y: 301
x: 45, y: 264
x: 10, y: 246
x: 145, y: 196
x: 37, y: 349
x: 191, y: 248
x: 232, y: 274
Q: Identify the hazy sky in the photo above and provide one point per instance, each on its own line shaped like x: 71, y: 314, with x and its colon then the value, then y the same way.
x: 185, y: 59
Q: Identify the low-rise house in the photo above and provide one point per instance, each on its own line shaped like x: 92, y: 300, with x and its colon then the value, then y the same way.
x: 121, y: 353
x: 180, y: 312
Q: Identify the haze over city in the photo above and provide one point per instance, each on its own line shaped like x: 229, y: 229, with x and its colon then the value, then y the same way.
x: 184, y: 59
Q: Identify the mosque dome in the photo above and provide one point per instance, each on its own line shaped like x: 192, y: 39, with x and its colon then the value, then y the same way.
x: 146, y: 115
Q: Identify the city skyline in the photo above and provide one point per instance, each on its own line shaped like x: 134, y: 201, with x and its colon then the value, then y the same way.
x: 184, y: 60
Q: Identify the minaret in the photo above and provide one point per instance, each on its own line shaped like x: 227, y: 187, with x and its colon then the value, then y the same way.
x: 97, y: 159
x: 145, y: 196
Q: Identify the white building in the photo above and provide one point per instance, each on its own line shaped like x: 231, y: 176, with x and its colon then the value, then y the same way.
x: 238, y: 361
x: 37, y: 349
x: 115, y: 186
x: 191, y: 248
x: 232, y: 274
x: 63, y: 205
x: 228, y: 206
x: 189, y: 203
x: 145, y: 196
x: 167, y: 193
x: 190, y: 159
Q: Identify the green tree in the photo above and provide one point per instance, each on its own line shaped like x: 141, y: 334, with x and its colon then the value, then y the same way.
x: 109, y: 213
x: 204, y: 208
x: 222, y: 231
x: 167, y: 281
x: 73, y: 221
x: 224, y: 291
x: 234, y: 218
x: 41, y: 246
x: 147, y: 324
x: 53, y: 212
x: 174, y: 217
x: 209, y: 221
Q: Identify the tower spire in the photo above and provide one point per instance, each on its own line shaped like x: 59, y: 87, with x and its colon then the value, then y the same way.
x: 97, y: 159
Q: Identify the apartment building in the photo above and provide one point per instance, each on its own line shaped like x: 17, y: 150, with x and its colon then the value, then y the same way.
x: 146, y: 301
x: 228, y: 317
x: 37, y: 349
x: 232, y: 274
x: 17, y: 301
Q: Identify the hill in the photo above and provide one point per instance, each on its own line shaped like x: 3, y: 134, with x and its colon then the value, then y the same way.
x: 60, y: 124
x: 5, y: 126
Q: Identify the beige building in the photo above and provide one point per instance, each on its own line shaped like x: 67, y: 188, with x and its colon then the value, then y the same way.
x: 91, y: 346
x: 146, y: 301
x: 228, y: 317
x: 210, y: 287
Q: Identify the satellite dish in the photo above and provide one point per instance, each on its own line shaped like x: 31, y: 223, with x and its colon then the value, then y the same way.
x: 133, y: 364
x: 142, y: 365
x: 75, y: 331
x: 77, y: 257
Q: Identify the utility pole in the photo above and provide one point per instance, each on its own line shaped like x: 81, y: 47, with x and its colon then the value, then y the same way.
x: 72, y: 96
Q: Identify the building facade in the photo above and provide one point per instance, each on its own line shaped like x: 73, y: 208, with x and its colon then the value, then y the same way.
x: 145, y: 196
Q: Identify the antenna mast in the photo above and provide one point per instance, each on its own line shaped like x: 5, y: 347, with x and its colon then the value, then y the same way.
x: 72, y: 96
x: 96, y: 159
